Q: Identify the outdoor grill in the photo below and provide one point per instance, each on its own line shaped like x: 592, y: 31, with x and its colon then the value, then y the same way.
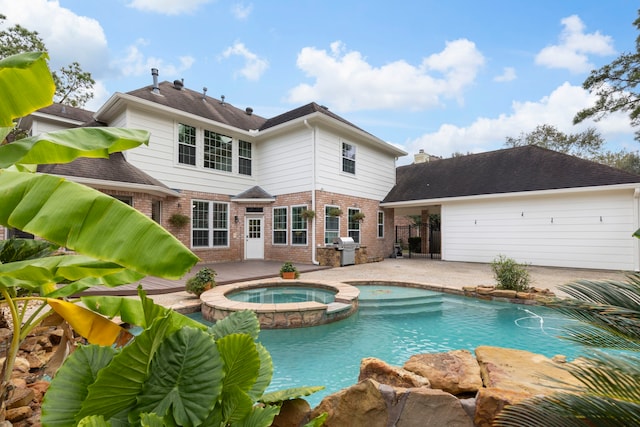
x: 347, y: 248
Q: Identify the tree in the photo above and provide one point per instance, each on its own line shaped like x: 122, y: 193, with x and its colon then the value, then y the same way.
x: 73, y: 85
x: 586, y: 144
x: 616, y: 86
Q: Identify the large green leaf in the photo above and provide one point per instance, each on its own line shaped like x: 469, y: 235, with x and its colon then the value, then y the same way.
x: 118, y: 385
x: 13, y: 250
x: 65, y: 146
x: 239, y: 322
x: 91, y: 223
x: 260, y: 416
x: 241, y: 361
x: 38, y: 273
x: 185, y: 378
x: 25, y: 85
x: 290, y: 393
x: 236, y: 405
x: 65, y: 395
x: 265, y: 374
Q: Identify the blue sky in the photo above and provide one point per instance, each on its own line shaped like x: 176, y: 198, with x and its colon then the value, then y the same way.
x: 443, y: 76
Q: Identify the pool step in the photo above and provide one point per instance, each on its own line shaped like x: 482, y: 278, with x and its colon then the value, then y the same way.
x: 401, y: 305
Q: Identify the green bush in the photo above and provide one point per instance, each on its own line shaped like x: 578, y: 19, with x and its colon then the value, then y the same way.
x: 509, y: 274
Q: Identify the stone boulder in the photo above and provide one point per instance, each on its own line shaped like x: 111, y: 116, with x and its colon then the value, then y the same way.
x: 522, y: 371
x: 382, y: 372
x: 372, y: 404
x: 293, y: 413
x: 490, y: 401
x: 455, y: 372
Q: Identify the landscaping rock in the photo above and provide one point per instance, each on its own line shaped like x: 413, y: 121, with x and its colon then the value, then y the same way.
x: 18, y: 414
x: 293, y: 413
x: 491, y: 401
x: 455, y: 372
x: 430, y: 407
x: 380, y: 371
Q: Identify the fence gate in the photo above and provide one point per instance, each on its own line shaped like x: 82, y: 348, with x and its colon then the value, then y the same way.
x: 417, y: 241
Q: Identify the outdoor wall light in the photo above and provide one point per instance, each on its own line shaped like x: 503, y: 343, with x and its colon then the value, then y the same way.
x: 235, y: 219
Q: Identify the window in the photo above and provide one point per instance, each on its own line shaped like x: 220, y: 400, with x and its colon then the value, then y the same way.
x: 348, y: 158
x: 298, y: 226
x: 156, y: 209
x: 331, y: 225
x: 380, y: 224
x: 244, y: 157
x: 354, y: 226
x: 217, y: 151
x: 279, y: 226
x: 124, y: 199
x: 186, y: 144
x: 210, y: 224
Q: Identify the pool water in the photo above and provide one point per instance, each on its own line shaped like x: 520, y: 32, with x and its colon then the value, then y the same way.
x: 330, y: 355
x: 283, y: 294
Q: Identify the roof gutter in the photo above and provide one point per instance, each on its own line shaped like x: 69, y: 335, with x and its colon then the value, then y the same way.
x: 313, y: 191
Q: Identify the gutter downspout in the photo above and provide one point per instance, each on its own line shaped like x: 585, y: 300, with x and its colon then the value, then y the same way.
x: 313, y: 192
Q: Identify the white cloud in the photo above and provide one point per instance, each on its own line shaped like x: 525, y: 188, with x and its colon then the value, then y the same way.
x: 168, y: 7
x: 67, y: 36
x: 135, y: 63
x: 254, y: 66
x: 508, y: 75
x: 241, y: 11
x: 557, y: 109
x: 574, y: 48
x: 347, y: 82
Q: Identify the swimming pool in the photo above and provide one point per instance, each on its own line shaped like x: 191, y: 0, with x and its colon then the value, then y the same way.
x: 282, y: 295
x: 392, y: 328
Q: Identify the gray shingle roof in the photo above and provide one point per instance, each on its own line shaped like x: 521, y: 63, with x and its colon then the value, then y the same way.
x: 528, y: 168
x: 115, y: 168
x: 192, y: 102
x: 255, y: 192
x: 303, y: 111
x: 68, y: 112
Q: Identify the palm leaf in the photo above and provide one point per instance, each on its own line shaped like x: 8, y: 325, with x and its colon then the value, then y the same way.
x: 65, y: 395
x: 76, y: 217
x: 30, y: 73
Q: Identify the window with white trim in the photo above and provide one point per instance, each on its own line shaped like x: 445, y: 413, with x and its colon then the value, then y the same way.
x: 218, y: 151
x: 186, y: 144
x: 380, y: 224
x: 209, y: 224
x: 244, y: 157
x: 280, y: 226
x: 331, y: 225
x: 348, y: 158
x: 354, y: 225
x: 298, y: 226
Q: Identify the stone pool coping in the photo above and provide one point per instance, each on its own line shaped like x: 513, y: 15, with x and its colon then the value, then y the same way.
x: 215, y: 305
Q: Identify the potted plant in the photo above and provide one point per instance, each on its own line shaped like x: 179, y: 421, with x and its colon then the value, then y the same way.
x: 178, y: 220
x: 358, y: 216
x: 335, y: 212
x: 289, y: 271
x: 308, y: 214
x: 202, y: 281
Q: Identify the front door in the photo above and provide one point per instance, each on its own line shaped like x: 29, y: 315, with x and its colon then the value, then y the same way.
x: 254, y: 238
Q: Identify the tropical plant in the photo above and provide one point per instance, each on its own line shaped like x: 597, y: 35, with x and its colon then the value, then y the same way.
x: 175, y: 372
x: 204, y: 279
x: 510, y: 274
x: 609, y: 315
x: 67, y: 214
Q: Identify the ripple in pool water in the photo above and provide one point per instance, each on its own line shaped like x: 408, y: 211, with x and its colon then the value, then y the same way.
x: 330, y: 355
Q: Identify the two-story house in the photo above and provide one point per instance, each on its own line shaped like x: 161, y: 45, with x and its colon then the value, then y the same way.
x: 246, y: 183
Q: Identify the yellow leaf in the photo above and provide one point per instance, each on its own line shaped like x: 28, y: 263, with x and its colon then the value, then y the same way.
x: 94, y: 327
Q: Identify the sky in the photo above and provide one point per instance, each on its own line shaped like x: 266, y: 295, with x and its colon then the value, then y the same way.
x: 455, y: 76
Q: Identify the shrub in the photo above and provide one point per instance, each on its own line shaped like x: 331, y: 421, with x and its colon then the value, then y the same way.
x: 179, y: 220
x: 203, y: 280
x: 509, y: 274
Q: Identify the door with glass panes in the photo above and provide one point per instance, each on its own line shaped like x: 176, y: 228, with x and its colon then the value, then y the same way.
x: 254, y: 238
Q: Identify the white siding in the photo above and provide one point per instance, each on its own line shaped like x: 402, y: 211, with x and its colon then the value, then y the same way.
x: 159, y: 159
x: 284, y: 164
x: 375, y: 171
x: 585, y: 230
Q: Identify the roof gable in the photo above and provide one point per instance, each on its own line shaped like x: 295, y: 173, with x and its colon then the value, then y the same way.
x: 512, y: 170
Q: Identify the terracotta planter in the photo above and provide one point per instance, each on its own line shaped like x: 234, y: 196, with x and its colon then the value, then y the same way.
x: 288, y: 274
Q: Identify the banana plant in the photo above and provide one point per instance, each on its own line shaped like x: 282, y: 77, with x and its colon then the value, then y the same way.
x: 112, y: 243
x: 176, y: 372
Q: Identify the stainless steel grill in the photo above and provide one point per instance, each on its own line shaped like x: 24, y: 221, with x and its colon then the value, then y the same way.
x: 347, y: 248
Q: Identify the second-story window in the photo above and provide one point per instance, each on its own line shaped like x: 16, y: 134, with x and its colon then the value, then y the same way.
x: 218, y: 152
x: 244, y: 157
x: 348, y: 158
x: 186, y: 144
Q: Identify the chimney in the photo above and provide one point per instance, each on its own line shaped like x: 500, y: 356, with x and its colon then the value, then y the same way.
x: 421, y: 157
x: 154, y: 73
